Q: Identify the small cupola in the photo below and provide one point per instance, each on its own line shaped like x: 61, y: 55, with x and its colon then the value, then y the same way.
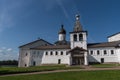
x: 62, y: 30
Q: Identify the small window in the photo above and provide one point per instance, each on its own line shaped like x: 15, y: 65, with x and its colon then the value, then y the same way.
x: 25, y: 65
x: 105, y: 52
x: 26, y: 54
x: 46, y: 53
x: 56, y: 53
x: 61, y: 52
x: 91, y: 52
x: 75, y: 37
x: 112, y: 52
x: 51, y: 53
x: 98, y: 52
x: 80, y: 37
x: 66, y: 53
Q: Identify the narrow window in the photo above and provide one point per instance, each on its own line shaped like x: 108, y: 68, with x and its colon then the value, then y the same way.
x: 105, y: 52
x: 46, y: 53
x: 98, y: 52
x: 25, y: 65
x: 112, y: 52
x: 51, y: 53
x: 80, y: 37
x: 26, y: 54
x: 75, y: 37
x: 56, y: 53
x: 66, y: 53
x: 91, y: 52
x: 61, y: 52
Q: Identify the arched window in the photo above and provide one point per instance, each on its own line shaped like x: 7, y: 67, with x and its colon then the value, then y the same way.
x: 98, y: 52
x: 80, y: 37
x: 46, y: 53
x: 51, y: 53
x: 105, y: 52
x: 91, y: 52
x: 61, y: 52
x: 56, y: 53
x: 112, y: 52
x: 75, y: 37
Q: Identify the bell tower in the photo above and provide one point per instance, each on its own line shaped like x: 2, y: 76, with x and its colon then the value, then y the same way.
x: 78, y: 38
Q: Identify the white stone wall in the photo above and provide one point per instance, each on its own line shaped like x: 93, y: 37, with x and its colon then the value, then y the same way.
x: 108, y: 57
x: 36, y: 56
x: 53, y: 59
x: 118, y: 54
x: 25, y: 61
x: 62, y: 37
x: 78, y: 43
x: 24, y: 58
x: 114, y: 38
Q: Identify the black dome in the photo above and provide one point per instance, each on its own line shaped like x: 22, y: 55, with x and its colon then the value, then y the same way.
x: 62, y: 30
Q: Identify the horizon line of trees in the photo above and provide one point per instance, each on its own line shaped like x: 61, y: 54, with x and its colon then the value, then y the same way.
x: 9, y: 62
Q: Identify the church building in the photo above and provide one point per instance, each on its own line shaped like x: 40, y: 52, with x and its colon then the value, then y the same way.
x: 74, y: 52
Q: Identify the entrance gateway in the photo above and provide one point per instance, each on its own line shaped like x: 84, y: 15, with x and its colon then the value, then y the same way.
x: 77, y: 56
x: 78, y: 61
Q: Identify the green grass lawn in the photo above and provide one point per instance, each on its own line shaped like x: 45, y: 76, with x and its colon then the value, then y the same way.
x: 105, y: 65
x: 78, y: 75
x: 13, y: 70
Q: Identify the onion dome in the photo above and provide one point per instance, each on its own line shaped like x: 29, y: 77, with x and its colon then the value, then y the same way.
x: 62, y: 30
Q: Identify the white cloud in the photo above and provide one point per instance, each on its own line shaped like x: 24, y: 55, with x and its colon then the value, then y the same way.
x: 8, y: 54
x: 9, y: 49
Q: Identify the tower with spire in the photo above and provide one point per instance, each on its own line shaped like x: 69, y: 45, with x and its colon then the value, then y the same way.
x: 78, y: 44
x: 78, y: 38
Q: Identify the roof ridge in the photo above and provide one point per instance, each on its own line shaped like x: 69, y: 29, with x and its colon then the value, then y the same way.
x: 34, y: 42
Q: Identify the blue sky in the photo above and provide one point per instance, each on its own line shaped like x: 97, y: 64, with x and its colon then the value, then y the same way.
x: 23, y: 21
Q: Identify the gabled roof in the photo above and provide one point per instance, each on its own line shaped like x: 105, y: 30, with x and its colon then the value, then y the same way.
x: 104, y: 44
x: 77, y: 48
x: 114, y: 34
x: 48, y: 47
x: 34, y: 42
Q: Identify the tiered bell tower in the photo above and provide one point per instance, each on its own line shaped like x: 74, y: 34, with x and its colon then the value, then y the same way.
x: 78, y: 38
x: 78, y: 44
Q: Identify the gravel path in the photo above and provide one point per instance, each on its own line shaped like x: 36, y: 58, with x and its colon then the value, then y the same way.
x: 45, y: 72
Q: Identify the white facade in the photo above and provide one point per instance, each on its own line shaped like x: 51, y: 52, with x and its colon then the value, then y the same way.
x: 74, y: 52
x: 108, y: 55
x: 115, y: 37
x: 62, y: 37
x: 78, y: 42
x: 57, y: 57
